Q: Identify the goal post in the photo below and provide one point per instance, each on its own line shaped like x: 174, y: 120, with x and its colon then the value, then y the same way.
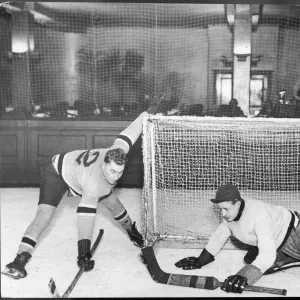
x: 186, y: 159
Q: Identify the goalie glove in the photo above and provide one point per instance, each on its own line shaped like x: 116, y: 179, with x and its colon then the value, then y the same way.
x: 234, y: 284
x: 248, y: 275
x: 135, y: 236
x: 195, y: 262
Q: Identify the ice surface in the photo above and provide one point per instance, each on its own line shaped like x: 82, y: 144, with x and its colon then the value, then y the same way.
x: 118, y: 272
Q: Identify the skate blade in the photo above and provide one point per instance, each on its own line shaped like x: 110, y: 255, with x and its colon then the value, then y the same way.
x: 14, y: 275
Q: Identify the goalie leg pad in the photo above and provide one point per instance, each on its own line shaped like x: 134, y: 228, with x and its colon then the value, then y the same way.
x: 292, y: 245
x: 283, y: 262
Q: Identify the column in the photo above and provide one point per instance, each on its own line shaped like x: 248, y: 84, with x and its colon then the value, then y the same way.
x: 21, y: 93
x: 242, y: 56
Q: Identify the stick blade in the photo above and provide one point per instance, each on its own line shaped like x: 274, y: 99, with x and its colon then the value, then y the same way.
x: 53, y: 289
x: 148, y: 258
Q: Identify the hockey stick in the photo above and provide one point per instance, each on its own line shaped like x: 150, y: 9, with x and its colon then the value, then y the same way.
x: 198, y: 282
x: 52, y: 285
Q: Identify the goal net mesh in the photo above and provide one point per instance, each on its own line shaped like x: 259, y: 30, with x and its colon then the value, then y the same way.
x: 109, y: 59
x: 186, y: 159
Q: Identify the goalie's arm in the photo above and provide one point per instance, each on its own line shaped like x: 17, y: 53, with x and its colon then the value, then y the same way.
x: 267, y: 251
x: 214, y: 245
x: 218, y: 239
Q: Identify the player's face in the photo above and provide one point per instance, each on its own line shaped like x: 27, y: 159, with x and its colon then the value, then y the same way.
x: 112, y: 172
x: 229, y: 210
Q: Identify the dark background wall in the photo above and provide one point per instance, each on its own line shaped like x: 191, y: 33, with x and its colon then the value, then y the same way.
x: 25, y: 144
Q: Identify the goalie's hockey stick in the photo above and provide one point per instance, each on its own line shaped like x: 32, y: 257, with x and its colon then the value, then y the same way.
x: 52, y: 285
x: 198, y: 282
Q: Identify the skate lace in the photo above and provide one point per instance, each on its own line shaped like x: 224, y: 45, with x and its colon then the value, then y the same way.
x: 21, y: 259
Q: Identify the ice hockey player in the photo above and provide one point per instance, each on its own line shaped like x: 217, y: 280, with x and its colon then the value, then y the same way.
x: 271, y: 231
x: 91, y: 175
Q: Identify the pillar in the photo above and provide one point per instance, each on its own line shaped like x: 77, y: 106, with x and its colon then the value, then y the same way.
x: 242, y: 56
x: 21, y: 92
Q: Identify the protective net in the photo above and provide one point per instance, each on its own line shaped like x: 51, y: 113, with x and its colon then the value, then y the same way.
x: 187, y: 159
x: 110, y: 59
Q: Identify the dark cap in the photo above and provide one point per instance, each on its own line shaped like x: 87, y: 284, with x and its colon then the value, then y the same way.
x: 226, y: 192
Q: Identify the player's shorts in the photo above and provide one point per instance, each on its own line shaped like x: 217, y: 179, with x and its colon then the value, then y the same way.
x: 52, y: 185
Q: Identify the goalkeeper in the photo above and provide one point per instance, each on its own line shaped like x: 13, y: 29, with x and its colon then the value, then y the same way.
x: 273, y: 233
x: 91, y: 175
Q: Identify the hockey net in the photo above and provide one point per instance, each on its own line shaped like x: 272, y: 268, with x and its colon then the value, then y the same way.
x: 186, y: 159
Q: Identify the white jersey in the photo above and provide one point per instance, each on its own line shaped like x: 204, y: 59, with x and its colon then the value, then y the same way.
x: 261, y: 224
x: 81, y: 170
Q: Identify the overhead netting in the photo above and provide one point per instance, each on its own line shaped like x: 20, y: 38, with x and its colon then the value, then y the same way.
x: 186, y: 159
x: 108, y: 59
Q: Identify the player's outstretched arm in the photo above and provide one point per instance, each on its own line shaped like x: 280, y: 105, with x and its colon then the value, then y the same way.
x: 126, y: 139
x: 214, y: 245
x: 86, y: 213
x: 119, y: 213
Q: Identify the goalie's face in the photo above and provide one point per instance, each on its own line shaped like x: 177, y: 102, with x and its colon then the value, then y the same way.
x: 229, y: 210
x: 112, y: 171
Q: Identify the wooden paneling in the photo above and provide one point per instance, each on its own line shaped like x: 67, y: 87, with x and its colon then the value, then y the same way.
x: 13, y: 152
x: 24, y: 145
x: 9, y: 145
x: 103, y: 140
x: 47, y: 144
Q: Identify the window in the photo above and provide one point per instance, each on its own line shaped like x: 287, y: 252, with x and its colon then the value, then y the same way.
x: 258, y: 90
x: 223, y: 88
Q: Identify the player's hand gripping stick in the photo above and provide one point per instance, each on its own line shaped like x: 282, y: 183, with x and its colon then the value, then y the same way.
x: 52, y: 285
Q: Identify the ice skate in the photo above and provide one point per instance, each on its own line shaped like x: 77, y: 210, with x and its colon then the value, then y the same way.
x: 16, y: 269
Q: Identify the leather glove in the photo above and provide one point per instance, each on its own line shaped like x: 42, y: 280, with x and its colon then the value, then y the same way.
x: 135, y: 236
x: 189, y: 263
x: 192, y: 262
x: 234, y: 284
x: 84, y: 255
